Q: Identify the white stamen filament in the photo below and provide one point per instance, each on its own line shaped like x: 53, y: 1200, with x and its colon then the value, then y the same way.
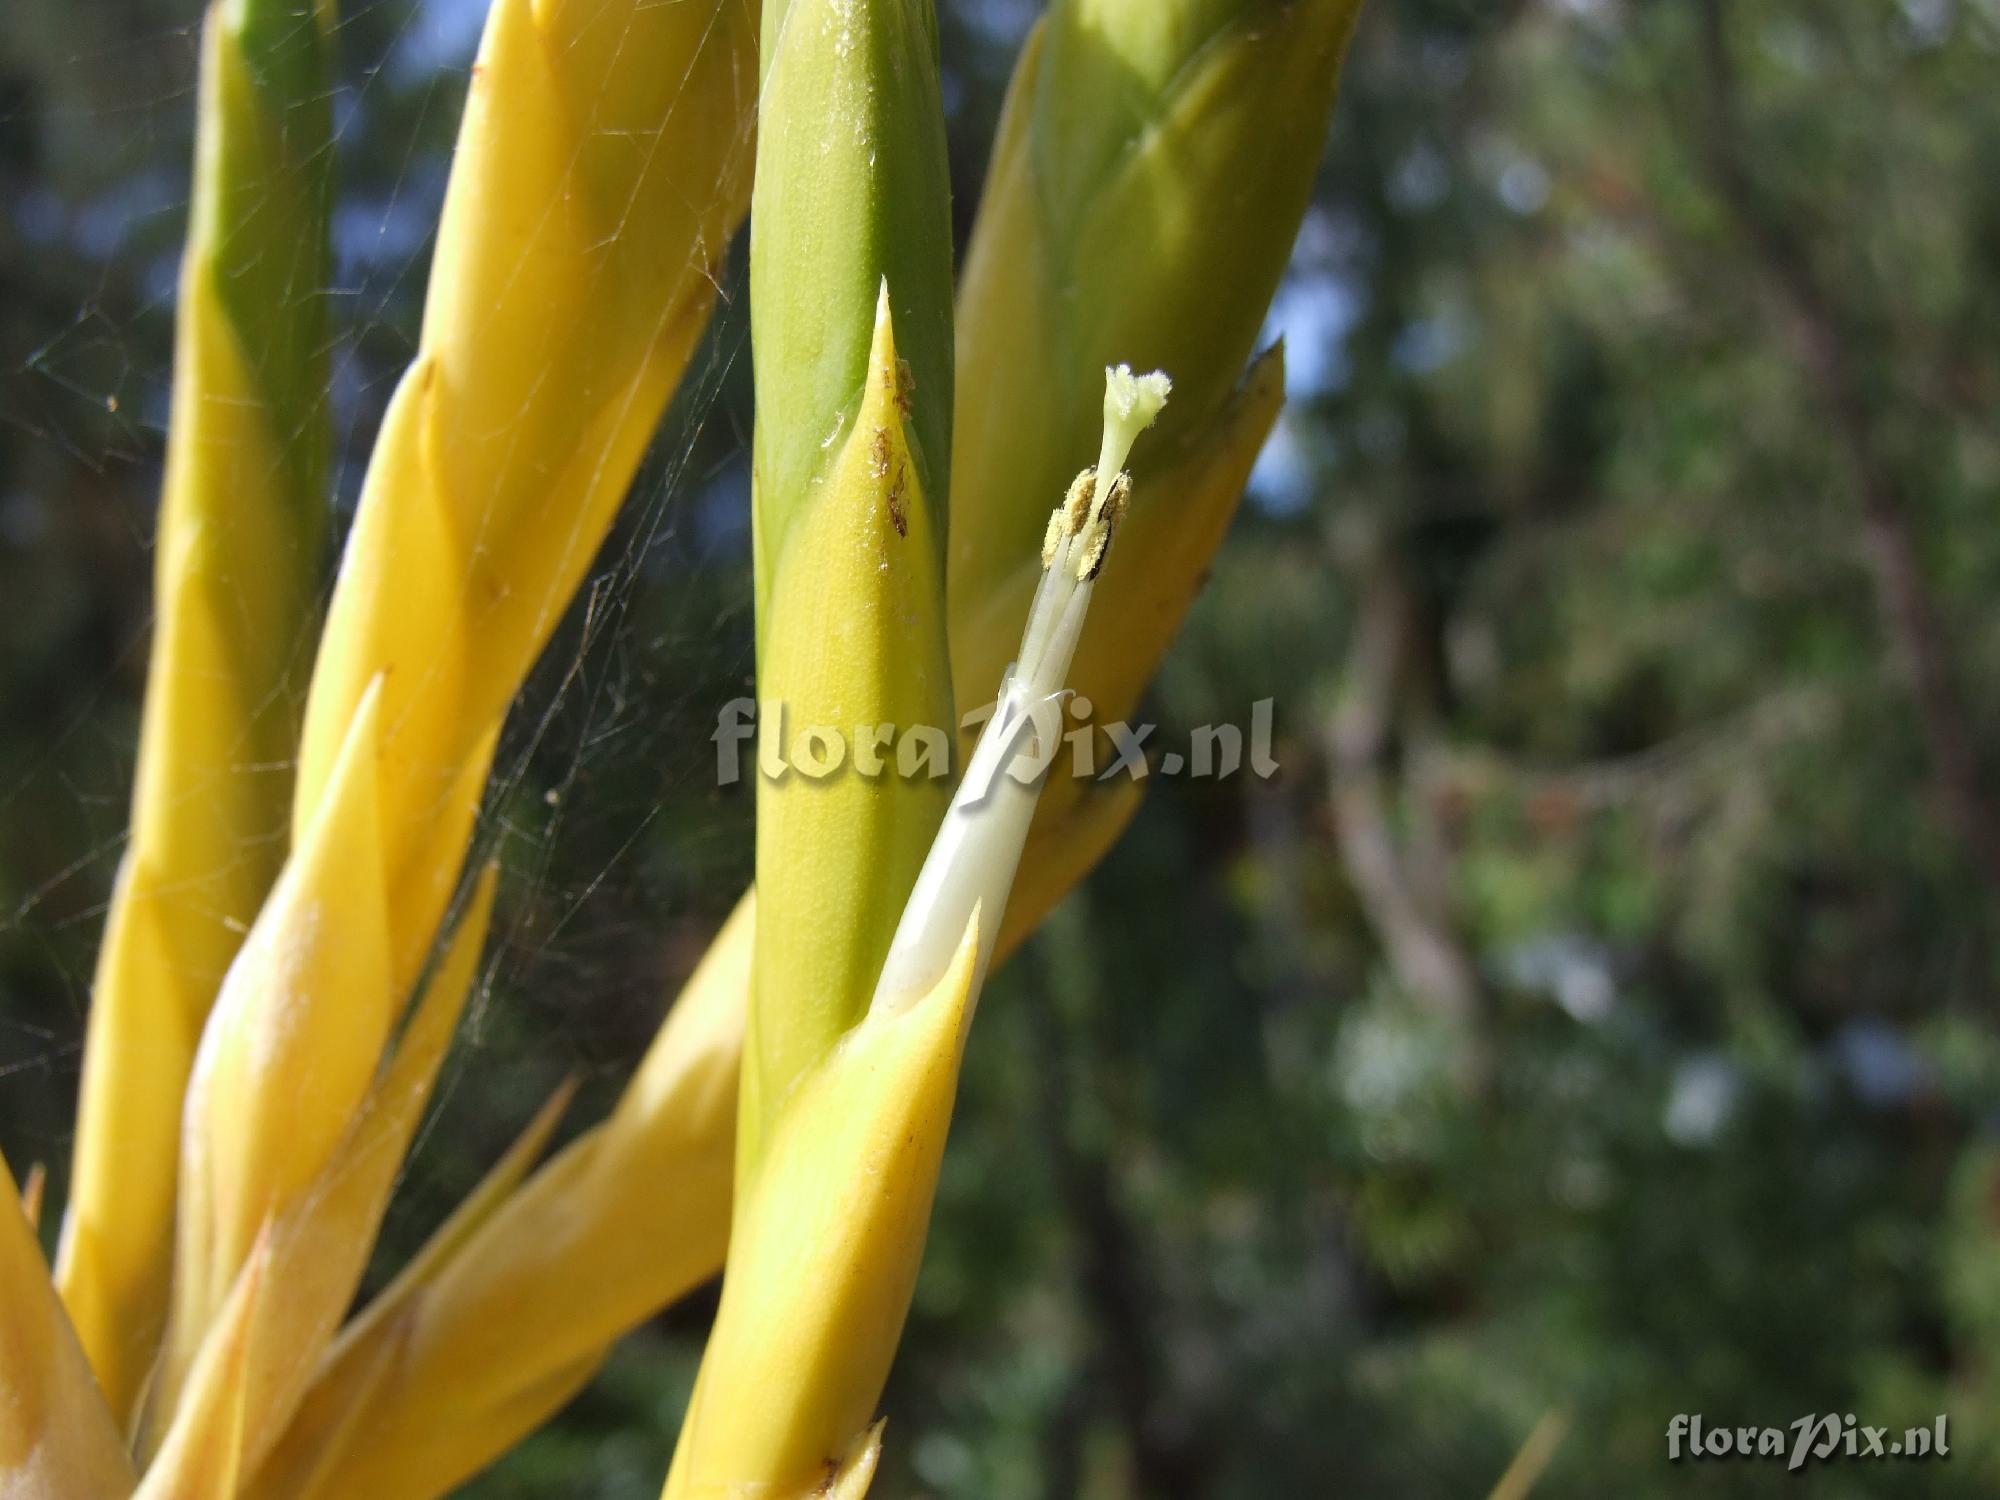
x: 972, y: 861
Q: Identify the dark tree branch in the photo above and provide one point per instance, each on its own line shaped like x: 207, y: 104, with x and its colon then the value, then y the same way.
x: 1409, y: 913
x: 1423, y: 953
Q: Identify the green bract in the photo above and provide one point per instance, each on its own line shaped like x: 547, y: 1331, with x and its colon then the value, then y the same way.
x: 851, y: 191
x: 850, y: 284
x: 274, y: 192
x: 236, y: 572
x: 1154, y: 160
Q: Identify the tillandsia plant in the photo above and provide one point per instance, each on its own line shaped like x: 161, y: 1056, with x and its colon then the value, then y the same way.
x: 515, y: 1306
x: 1152, y: 166
x: 501, y: 1330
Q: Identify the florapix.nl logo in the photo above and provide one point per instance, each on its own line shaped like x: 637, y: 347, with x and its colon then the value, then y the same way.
x: 1818, y: 1437
x: 762, y: 736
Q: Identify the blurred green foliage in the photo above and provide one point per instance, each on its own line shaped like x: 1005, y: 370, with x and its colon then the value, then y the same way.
x: 1596, y: 1012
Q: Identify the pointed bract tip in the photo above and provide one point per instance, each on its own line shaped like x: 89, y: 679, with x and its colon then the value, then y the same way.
x: 857, y: 1469
x: 887, y: 370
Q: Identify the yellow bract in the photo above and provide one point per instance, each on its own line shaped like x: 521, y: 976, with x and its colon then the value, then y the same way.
x: 824, y: 1256
x: 311, y: 1244
x: 603, y: 163
x: 513, y: 1305
x: 291, y: 1050
x: 56, y: 1438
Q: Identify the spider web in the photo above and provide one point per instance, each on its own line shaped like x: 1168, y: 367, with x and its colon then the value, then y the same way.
x: 619, y: 854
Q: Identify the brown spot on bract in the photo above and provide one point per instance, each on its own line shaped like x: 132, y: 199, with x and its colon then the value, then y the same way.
x: 896, y: 517
x: 906, y: 385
